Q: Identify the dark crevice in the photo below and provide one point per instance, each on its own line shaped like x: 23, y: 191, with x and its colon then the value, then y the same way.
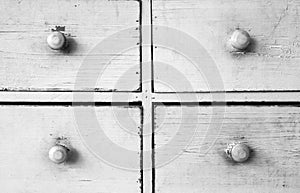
x: 153, y: 148
x: 237, y: 91
x: 141, y: 46
x: 140, y: 103
x: 263, y: 103
x: 72, y: 104
x: 151, y: 47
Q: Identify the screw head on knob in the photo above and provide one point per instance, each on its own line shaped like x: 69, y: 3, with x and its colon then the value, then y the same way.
x: 56, y: 40
x: 58, y: 154
x: 240, y: 39
x: 238, y: 152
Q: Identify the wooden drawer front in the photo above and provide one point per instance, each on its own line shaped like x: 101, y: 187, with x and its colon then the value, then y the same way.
x: 271, y: 62
x: 28, y: 63
x: 271, y: 132
x: 28, y: 132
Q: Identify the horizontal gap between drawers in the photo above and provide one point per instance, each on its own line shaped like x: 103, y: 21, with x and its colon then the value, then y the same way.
x: 235, y: 91
x: 71, y: 103
x: 277, y: 103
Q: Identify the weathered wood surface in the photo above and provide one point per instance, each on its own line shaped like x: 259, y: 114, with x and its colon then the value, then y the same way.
x: 271, y: 63
x: 272, y: 132
x: 28, y: 132
x: 27, y: 63
x: 285, y: 97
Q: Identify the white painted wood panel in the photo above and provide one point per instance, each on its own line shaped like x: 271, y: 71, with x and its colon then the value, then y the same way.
x: 272, y: 60
x: 272, y: 132
x: 27, y: 63
x: 27, y: 134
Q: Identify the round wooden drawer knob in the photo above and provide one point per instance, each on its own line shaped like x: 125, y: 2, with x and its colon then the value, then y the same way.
x: 58, y: 154
x: 238, y: 152
x: 56, y: 40
x: 240, y: 39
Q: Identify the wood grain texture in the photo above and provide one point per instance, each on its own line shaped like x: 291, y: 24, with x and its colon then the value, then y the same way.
x: 281, y: 97
x: 28, y: 132
x: 272, y: 132
x: 27, y: 63
x: 270, y: 64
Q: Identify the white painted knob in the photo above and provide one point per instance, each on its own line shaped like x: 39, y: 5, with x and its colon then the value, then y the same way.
x: 238, y: 152
x: 240, y: 39
x: 58, y: 154
x: 56, y: 40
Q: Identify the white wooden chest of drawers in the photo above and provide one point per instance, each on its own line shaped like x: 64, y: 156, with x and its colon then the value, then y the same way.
x: 217, y: 112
